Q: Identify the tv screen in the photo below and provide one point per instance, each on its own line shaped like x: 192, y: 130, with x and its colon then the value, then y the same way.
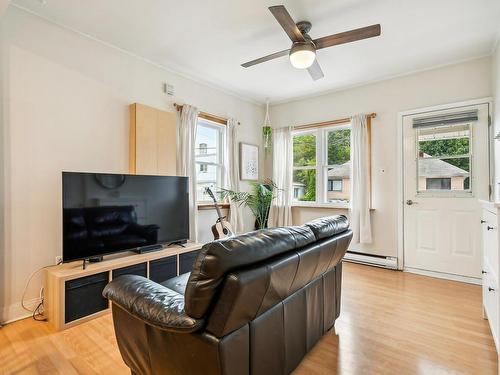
x: 109, y: 213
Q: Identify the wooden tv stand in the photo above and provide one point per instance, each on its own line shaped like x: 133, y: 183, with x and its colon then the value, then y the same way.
x: 73, y: 295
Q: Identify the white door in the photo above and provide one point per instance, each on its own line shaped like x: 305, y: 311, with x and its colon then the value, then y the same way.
x: 445, y: 172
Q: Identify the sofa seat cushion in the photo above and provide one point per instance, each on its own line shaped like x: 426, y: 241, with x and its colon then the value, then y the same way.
x: 177, y: 283
x: 108, y: 230
x: 123, y: 241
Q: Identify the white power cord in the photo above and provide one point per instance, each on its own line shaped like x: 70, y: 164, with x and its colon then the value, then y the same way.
x: 26, y: 289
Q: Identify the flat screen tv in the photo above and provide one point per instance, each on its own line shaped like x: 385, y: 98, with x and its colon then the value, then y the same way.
x: 110, y: 213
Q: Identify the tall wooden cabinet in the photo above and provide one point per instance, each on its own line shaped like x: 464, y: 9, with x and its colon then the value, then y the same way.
x: 153, y: 146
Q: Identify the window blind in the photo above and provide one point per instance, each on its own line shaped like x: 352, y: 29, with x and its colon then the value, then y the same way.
x: 447, y: 119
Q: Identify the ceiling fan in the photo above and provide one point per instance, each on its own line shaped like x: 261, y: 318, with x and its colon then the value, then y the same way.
x: 303, y: 51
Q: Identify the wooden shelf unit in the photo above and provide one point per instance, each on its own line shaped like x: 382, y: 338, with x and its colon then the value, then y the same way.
x: 56, y: 277
x: 153, y: 141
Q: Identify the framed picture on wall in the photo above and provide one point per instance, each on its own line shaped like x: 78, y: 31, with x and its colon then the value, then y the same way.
x: 249, y: 162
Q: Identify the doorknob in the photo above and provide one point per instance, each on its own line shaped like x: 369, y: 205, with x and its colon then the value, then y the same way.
x: 409, y: 202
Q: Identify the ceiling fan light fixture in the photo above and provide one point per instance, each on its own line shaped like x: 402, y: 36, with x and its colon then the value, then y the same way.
x: 302, y: 55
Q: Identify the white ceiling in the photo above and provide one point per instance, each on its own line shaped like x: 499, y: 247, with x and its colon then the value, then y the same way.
x: 209, y: 39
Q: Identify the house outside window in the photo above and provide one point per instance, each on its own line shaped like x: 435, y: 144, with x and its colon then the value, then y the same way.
x: 321, y: 165
x: 209, y: 156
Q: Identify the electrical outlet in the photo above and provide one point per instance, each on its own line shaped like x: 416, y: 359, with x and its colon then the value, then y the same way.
x: 58, y: 259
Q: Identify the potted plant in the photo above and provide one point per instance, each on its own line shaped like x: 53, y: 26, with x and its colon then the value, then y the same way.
x: 258, y: 200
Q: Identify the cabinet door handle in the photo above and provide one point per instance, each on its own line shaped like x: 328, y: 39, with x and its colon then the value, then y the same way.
x: 483, y: 221
x: 489, y: 228
x: 490, y: 289
x: 484, y: 272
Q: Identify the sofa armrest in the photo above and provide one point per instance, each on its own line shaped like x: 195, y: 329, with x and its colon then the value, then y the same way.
x: 152, y: 303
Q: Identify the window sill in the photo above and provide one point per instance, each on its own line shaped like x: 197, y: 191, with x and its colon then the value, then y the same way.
x: 331, y: 206
x: 336, y: 206
x: 211, y: 206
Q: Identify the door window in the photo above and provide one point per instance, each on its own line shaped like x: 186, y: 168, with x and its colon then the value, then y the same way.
x: 444, y: 159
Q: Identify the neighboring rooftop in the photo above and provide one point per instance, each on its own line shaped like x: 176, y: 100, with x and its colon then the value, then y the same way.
x: 427, y: 168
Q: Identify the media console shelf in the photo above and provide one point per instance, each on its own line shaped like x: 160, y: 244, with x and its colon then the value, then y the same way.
x: 73, y: 295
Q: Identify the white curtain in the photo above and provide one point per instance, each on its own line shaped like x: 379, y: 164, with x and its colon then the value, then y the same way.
x: 280, y: 213
x: 360, y: 181
x: 186, y: 166
x: 232, y: 173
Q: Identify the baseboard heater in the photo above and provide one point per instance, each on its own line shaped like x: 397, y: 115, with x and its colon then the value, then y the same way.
x: 372, y: 260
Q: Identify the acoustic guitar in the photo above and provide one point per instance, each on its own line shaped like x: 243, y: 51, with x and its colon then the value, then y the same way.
x: 221, y: 228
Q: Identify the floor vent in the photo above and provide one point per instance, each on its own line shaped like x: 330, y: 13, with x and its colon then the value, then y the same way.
x: 372, y: 260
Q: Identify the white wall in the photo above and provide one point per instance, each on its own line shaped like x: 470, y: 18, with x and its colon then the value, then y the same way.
x: 496, y: 117
x: 4, y: 4
x: 65, y: 104
x: 448, y: 84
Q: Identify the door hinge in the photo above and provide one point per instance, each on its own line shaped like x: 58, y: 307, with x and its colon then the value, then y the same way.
x: 489, y: 120
x: 490, y: 189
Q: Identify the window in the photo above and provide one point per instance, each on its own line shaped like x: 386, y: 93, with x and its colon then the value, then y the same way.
x: 209, y: 156
x: 444, y: 158
x: 438, y: 184
x: 334, y: 185
x: 203, y: 148
x: 321, y: 165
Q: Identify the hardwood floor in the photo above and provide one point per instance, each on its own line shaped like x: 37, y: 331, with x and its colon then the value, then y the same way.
x: 391, y: 323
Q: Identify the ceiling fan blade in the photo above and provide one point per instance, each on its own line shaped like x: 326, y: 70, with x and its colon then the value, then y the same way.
x: 287, y: 23
x: 315, y: 70
x: 347, y: 36
x: 266, y: 58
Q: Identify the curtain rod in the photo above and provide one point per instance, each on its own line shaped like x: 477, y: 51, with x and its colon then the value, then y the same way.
x: 339, y: 121
x: 207, y: 116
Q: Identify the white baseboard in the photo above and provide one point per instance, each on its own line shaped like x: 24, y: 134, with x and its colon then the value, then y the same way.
x: 16, y: 312
x: 371, y: 260
x: 445, y: 276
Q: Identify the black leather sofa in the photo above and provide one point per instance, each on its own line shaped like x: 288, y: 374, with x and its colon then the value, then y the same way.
x: 94, y: 230
x: 253, y: 304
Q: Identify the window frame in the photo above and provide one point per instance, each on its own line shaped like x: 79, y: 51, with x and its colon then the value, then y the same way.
x: 219, y: 164
x: 321, y: 133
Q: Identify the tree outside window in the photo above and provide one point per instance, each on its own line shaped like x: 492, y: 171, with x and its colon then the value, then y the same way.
x: 304, y: 163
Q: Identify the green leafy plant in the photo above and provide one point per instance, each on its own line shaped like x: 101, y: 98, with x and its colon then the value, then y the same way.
x: 258, y: 200
x: 267, y: 134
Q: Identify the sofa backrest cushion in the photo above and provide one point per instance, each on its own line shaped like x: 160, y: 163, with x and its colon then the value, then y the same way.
x: 328, y: 226
x: 110, y: 220
x: 220, y: 257
x: 75, y: 226
x: 250, y: 292
x: 103, y: 215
